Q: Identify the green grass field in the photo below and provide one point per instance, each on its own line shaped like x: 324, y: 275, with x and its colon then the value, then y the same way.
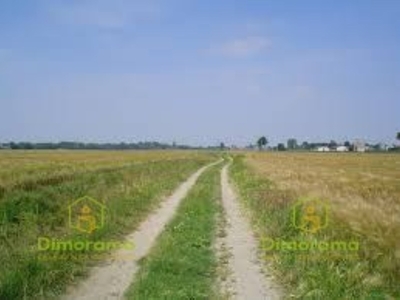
x: 130, y: 187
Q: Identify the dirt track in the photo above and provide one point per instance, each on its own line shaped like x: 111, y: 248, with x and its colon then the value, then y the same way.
x: 246, y: 279
x: 110, y: 281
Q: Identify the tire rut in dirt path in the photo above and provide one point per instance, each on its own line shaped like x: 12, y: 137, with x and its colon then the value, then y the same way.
x: 246, y: 279
x: 110, y: 280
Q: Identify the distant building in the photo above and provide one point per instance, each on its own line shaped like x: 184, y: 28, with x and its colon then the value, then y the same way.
x: 323, y: 149
x: 359, y: 146
x: 342, y: 149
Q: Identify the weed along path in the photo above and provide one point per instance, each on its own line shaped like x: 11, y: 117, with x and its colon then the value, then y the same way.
x: 110, y: 280
x: 245, y: 277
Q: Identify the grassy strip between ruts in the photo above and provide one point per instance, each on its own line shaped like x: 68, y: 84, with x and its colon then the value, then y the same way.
x: 182, y: 264
x: 311, y: 274
x: 129, y: 195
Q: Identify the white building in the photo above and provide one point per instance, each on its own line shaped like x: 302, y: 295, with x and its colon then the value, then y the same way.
x: 342, y: 149
x: 323, y: 149
x: 359, y: 146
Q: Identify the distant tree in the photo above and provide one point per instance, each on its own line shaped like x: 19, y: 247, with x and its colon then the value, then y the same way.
x: 376, y: 147
x: 305, y: 145
x: 14, y: 146
x: 262, y: 142
x: 347, y: 144
x: 398, y: 136
x: 332, y: 144
x: 291, y: 144
x: 26, y: 146
x: 281, y: 147
x: 222, y: 146
x: 96, y: 146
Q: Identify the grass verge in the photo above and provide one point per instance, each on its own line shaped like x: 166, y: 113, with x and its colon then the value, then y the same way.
x: 311, y: 273
x: 182, y: 264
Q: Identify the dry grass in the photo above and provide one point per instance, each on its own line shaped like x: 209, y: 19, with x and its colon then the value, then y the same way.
x: 20, y: 167
x: 363, y: 189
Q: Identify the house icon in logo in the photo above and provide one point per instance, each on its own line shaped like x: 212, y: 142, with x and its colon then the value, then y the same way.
x: 86, y: 214
x: 310, y: 215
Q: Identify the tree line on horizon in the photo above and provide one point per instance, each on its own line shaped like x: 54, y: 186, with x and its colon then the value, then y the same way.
x: 261, y: 143
x: 91, y: 146
x: 292, y: 144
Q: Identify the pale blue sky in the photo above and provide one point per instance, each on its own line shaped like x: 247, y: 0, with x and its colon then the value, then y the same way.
x: 199, y: 71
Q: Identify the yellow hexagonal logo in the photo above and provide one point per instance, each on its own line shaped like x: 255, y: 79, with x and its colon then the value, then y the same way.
x: 86, y: 214
x: 310, y: 215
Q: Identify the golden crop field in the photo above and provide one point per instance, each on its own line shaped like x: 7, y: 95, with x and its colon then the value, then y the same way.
x: 17, y: 168
x: 362, y: 191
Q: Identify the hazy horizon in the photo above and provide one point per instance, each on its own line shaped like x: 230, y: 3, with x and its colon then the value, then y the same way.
x: 199, y: 72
